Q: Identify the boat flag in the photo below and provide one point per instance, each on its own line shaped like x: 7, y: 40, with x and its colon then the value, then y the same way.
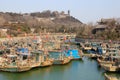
x: 34, y: 37
x: 9, y: 37
x: 64, y: 37
x: 18, y: 29
x: 46, y: 36
x: 25, y: 34
x: 110, y: 41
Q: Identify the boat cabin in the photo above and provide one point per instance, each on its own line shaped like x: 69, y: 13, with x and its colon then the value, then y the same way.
x: 38, y: 56
x: 113, y: 52
x: 12, y: 59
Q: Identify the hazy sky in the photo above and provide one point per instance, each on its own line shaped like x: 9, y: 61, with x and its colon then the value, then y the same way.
x: 84, y: 10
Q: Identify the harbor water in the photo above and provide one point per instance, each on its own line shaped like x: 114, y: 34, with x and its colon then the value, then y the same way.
x: 85, y: 69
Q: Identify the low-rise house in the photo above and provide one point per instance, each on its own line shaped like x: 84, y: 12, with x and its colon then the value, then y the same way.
x: 3, y: 32
x: 98, y: 28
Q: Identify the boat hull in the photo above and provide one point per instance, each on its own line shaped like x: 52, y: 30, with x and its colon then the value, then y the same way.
x: 15, y: 69
x: 64, y: 61
x: 46, y: 63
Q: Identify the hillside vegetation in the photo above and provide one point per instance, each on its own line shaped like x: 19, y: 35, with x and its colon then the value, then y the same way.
x: 58, y: 22
x: 51, y: 21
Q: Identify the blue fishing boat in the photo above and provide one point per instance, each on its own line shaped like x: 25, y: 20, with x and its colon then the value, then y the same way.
x: 74, y: 53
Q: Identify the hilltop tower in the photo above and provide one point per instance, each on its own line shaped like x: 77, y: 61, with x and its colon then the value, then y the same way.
x: 69, y: 12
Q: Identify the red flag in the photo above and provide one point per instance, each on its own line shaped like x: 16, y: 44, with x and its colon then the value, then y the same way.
x: 18, y: 29
x: 34, y: 37
x: 25, y: 34
x: 64, y: 37
x: 8, y: 36
x: 110, y: 41
x: 46, y: 36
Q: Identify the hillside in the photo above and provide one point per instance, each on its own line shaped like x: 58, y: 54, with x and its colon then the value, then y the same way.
x: 104, y: 29
x: 51, y: 21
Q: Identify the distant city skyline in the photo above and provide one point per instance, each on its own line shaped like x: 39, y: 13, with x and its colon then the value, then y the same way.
x: 84, y: 10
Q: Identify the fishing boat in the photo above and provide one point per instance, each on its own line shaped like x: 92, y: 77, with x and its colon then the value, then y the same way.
x: 112, y: 62
x: 48, y: 61
x: 113, y: 53
x: 42, y: 59
x: 12, y: 64
x: 109, y: 57
x: 112, y: 67
x: 74, y: 53
x: 98, y: 49
x: 61, y: 58
x: 87, y: 46
x: 115, y: 66
x: 101, y: 50
x: 111, y: 77
x: 95, y: 45
x: 102, y: 61
x: 62, y: 61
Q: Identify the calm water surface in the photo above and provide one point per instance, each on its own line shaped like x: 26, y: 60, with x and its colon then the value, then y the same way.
x: 85, y: 69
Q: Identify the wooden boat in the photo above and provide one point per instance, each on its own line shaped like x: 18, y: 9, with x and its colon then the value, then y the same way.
x: 37, y: 58
x: 62, y: 59
x: 95, y: 45
x: 47, y: 63
x: 47, y: 60
x: 42, y: 59
x: 111, y: 77
x: 87, y: 46
x: 111, y: 54
x: 15, y: 68
x: 93, y: 56
x: 12, y: 64
x: 104, y: 61
x: 111, y: 67
x: 66, y: 60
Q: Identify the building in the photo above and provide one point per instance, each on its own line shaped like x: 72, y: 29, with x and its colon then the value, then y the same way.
x: 99, y: 28
x: 3, y: 32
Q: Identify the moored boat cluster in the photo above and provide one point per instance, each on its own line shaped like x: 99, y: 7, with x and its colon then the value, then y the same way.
x: 23, y: 54
x: 18, y: 55
x: 106, y: 53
